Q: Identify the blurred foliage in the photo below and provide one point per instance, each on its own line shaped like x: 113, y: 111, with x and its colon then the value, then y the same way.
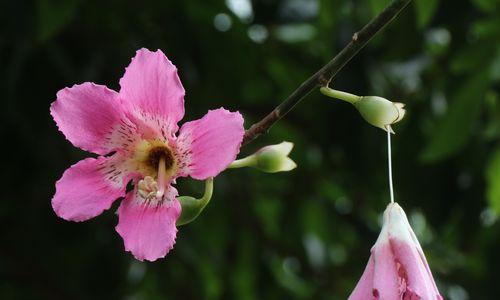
x: 299, y: 235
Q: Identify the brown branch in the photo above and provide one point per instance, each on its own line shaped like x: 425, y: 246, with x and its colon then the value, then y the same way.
x: 327, y: 72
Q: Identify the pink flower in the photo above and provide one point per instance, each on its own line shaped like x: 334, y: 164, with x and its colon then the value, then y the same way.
x: 397, y: 269
x: 134, y: 132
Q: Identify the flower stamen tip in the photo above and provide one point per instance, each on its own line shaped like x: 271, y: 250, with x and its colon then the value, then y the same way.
x: 147, y: 188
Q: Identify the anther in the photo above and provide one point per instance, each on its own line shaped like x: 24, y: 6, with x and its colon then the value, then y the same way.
x: 147, y: 187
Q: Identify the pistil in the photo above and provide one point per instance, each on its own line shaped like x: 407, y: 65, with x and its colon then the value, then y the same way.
x: 162, y: 176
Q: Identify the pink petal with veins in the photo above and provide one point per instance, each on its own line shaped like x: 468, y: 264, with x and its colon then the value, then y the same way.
x: 84, y: 192
x: 152, y: 87
x: 148, y: 230
x: 87, y: 115
x: 211, y: 143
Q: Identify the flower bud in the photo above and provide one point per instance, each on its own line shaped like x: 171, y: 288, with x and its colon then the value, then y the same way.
x: 274, y: 158
x: 375, y: 110
x: 269, y: 159
x: 192, y: 207
x: 380, y: 112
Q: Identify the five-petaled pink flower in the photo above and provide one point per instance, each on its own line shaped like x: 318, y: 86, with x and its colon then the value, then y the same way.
x: 134, y: 132
x: 397, y: 269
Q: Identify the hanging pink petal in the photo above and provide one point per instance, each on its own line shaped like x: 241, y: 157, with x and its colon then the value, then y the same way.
x: 153, y: 88
x: 397, y: 269
x: 148, y: 230
x: 385, y: 280
x: 364, y: 290
x: 211, y: 143
x: 87, y: 114
x: 87, y: 188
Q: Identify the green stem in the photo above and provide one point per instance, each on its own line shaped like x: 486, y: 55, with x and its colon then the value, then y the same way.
x: 243, y: 162
x: 351, y: 98
x: 192, y: 207
x: 209, y: 189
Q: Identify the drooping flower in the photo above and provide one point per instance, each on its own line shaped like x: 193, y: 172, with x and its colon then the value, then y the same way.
x: 397, y: 268
x: 134, y: 132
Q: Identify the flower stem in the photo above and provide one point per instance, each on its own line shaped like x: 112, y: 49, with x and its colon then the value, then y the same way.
x: 243, y: 162
x: 328, y: 71
x: 351, y: 98
x: 192, y: 207
x: 209, y: 189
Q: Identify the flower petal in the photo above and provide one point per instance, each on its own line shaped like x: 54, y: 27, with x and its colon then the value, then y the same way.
x: 364, y: 289
x: 86, y: 189
x: 419, y: 278
x: 87, y: 114
x: 400, y: 270
x: 151, y: 85
x: 148, y: 231
x: 409, y: 253
x: 385, y: 274
x: 211, y: 143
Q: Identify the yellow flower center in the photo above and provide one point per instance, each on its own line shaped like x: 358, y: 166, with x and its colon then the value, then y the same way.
x: 157, y: 163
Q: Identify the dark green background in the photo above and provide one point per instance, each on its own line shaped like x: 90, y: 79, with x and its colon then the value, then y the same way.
x: 305, y: 234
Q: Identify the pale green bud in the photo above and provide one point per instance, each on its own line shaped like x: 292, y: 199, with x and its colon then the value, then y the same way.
x: 380, y: 112
x: 375, y: 110
x: 269, y: 159
x: 274, y: 158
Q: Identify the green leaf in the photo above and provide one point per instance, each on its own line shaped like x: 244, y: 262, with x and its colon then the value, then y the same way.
x: 487, y: 28
x: 495, y: 66
x: 453, y: 131
x: 493, y: 181
x: 467, y: 59
x: 487, y: 5
x: 425, y: 10
x: 269, y: 211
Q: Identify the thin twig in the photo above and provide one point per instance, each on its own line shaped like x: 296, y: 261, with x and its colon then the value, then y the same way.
x: 328, y: 72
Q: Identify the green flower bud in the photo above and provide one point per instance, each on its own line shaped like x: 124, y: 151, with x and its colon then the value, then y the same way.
x: 375, y: 110
x: 274, y: 158
x: 269, y: 159
x: 380, y: 112
x: 192, y: 207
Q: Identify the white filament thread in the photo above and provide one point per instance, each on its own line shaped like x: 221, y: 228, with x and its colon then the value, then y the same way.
x: 389, y: 161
